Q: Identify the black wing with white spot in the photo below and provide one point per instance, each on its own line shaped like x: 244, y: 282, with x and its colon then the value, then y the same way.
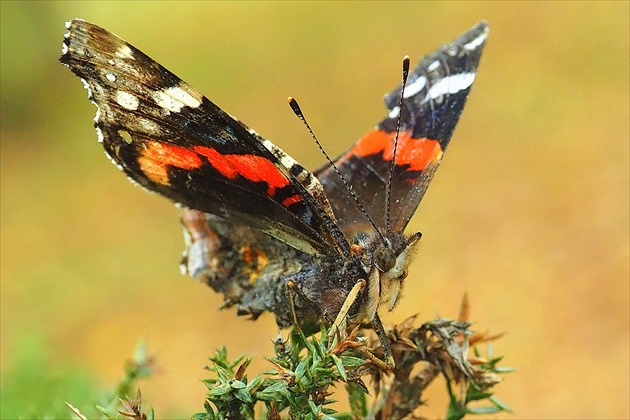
x: 433, y: 101
x: 170, y: 139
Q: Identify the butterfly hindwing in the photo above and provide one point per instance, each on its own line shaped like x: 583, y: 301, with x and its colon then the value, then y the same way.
x: 433, y: 100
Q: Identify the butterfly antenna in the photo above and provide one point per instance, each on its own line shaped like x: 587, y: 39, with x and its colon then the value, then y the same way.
x: 298, y: 112
x: 388, y: 197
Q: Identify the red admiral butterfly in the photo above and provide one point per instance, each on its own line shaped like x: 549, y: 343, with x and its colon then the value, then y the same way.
x: 255, y: 220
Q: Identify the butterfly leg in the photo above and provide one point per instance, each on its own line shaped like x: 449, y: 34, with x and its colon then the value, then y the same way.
x: 340, y: 325
x: 291, y: 288
x: 340, y: 321
x: 382, y: 337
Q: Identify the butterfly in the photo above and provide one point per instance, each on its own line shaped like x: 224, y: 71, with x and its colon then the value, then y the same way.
x: 255, y: 220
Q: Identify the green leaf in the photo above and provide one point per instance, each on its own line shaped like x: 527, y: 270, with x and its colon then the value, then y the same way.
x: 204, y: 416
x: 253, y: 384
x: 316, y: 359
x: 322, y: 372
x: 356, y: 397
x: 484, y: 410
x: 103, y: 411
x: 340, y: 368
x: 351, y: 361
x: 243, y: 395
x: 345, y: 416
x: 300, y: 371
x: 208, y: 407
x: 495, y: 360
x: 236, y: 362
x: 476, y: 395
x: 223, y: 373
x: 311, y: 346
x: 500, y: 404
x: 314, y: 408
x: 455, y: 411
x: 209, y: 383
x: 275, y: 392
x: 236, y: 384
x: 219, y: 390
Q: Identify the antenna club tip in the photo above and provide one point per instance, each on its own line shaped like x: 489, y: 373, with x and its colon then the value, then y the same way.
x: 406, y: 64
x: 295, y: 107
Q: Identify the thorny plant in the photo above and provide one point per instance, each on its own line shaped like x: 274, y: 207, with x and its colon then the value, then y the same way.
x: 305, y: 370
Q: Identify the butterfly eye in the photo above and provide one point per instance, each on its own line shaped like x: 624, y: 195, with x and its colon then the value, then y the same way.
x: 384, y: 258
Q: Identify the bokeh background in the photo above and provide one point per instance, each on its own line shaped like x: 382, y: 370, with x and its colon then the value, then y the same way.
x: 528, y: 213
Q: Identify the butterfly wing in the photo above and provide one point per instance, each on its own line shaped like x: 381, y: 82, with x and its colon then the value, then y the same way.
x: 434, y: 98
x: 172, y: 140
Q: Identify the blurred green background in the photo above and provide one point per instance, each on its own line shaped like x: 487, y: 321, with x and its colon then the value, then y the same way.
x: 529, y: 212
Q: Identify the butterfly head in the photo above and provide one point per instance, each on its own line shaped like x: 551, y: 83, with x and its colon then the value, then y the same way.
x: 390, y: 261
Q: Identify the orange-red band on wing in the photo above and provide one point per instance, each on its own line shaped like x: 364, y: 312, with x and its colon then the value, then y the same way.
x: 157, y: 157
x: 291, y: 200
x: 417, y: 153
x: 252, y: 167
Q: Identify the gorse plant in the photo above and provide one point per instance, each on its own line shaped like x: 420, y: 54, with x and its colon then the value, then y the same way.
x: 306, y: 369
x: 302, y: 372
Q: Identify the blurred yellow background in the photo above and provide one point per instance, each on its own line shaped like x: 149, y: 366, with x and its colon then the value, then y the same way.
x: 528, y: 213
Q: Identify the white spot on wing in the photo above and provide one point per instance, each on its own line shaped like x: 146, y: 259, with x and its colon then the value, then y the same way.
x: 118, y: 165
x: 183, y: 96
x: 175, y: 98
x: 127, y: 100
x: 167, y: 102
x: 86, y: 85
x: 310, y: 182
x: 286, y: 160
x: 64, y: 49
x: 101, y: 138
x: 415, y: 87
x: 124, y: 52
x: 433, y: 65
x: 394, y: 112
x: 451, y: 84
x: 111, y: 77
x: 148, y: 125
x: 472, y: 45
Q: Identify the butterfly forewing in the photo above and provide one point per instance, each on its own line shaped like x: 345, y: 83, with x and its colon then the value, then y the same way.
x: 172, y: 140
